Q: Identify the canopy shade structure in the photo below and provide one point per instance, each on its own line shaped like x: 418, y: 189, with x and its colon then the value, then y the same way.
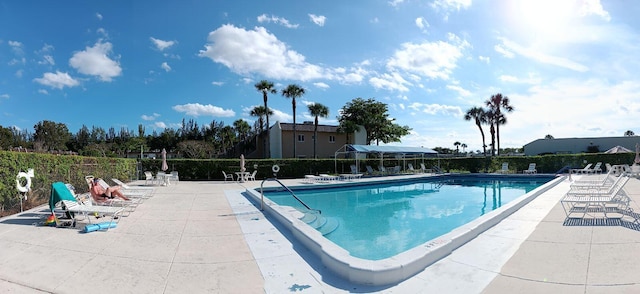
x: 388, y: 149
x: 400, y: 151
x: 618, y: 149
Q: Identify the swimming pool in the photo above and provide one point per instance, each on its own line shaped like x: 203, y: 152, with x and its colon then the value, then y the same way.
x: 381, y: 220
x: 393, y: 268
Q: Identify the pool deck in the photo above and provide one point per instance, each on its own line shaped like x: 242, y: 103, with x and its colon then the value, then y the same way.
x: 196, y: 237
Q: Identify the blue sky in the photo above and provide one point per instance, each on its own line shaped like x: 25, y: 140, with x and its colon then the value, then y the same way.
x: 568, y: 67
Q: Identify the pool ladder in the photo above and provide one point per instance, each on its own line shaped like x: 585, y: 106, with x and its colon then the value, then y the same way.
x: 287, y: 189
x: 312, y: 217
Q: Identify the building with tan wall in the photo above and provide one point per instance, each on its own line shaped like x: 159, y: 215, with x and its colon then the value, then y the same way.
x: 329, y: 140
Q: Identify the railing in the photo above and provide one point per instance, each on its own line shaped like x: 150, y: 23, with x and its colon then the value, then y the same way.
x: 286, y: 188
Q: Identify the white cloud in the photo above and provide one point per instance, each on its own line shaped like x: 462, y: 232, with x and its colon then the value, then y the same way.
x: 531, y: 79
x: 421, y: 23
x: 257, y: 51
x: 506, y: 53
x: 197, y: 109
x: 281, y: 116
x: 47, y: 59
x: 4, y: 96
x: 161, y: 44
x: 150, y: 117
x: 536, y: 54
x: 277, y: 115
x: 17, y: 47
x: 43, y: 91
x: 165, y: 66
x: 461, y: 91
x: 102, y: 32
x: 18, y: 61
x: 217, y: 83
x: 449, y: 5
x: 160, y: 125
x: 317, y: 19
x: 436, y: 108
x: 486, y: 59
x: 57, y: 80
x: 278, y: 20
x: 95, y: 61
x: 435, y: 60
x: 99, y: 16
x: 611, y: 107
x: 395, y: 2
x: 594, y: 7
x: 391, y: 82
x: 321, y: 85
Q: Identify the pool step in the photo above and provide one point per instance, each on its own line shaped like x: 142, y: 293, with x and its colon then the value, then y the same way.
x: 309, y: 217
x: 330, y: 225
x: 322, y: 224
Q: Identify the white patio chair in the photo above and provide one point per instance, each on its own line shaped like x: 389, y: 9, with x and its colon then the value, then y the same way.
x: 227, y: 176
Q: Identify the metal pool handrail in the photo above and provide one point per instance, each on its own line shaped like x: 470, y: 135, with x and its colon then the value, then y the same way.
x: 286, y: 188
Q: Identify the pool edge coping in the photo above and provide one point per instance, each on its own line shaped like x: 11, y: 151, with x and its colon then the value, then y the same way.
x: 403, y: 265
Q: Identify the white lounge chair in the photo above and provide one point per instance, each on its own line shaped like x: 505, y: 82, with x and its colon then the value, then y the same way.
x: 531, y: 170
x: 370, y: 170
x: 581, y: 170
x: 174, y: 177
x: 252, y: 176
x: 424, y: 169
x: 63, y: 201
x: 580, y: 203
x: 140, y: 189
x: 410, y: 168
x: 382, y: 170
x: 311, y: 179
x: 149, y: 178
x: 505, y: 168
x: 227, y: 176
x: 596, y: 169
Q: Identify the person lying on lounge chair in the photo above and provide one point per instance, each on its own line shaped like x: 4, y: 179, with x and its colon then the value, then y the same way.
x: 101, y: 194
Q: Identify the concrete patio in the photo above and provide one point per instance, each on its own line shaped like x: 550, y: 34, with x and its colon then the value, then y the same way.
x: 206, y: 237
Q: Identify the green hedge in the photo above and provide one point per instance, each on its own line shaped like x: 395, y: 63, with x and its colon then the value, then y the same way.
x: 211, y: 169
x: 50, y: 168
x: 72, y: 169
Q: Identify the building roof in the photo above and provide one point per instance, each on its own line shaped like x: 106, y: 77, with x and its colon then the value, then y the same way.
x: 390, y: 149
x: 308, y: 127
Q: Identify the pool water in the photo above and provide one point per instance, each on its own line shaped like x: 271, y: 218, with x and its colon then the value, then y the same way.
x: 378, y: 221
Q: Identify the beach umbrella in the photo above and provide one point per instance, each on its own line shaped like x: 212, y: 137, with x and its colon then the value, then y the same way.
x: 618, y: 149
x: 637, y: 160
x: 164, y: 160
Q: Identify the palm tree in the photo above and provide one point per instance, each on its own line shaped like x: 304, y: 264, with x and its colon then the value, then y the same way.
x: 242, y: 128
x: 496, y: 103
x: 293, y: 91
x: 266, y: 87
x: 317, y: 110
x: 492, y: 130
x: 629, y: 133
x: 464, y: 147
x: 479, y: 115
x: 260, y: 112
x: 457, y: 144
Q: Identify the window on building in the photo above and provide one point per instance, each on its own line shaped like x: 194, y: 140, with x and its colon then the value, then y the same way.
x: 300, y: 138
x: 332, y: 139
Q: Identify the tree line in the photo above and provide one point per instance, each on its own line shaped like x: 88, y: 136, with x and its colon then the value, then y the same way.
x: 213, y: 140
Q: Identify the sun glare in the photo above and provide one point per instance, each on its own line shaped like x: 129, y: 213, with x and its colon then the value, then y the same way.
x: 549, y: 17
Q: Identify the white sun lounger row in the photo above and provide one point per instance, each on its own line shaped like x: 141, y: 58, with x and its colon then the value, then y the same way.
x: 326, y: 178
x: 580, y: 203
